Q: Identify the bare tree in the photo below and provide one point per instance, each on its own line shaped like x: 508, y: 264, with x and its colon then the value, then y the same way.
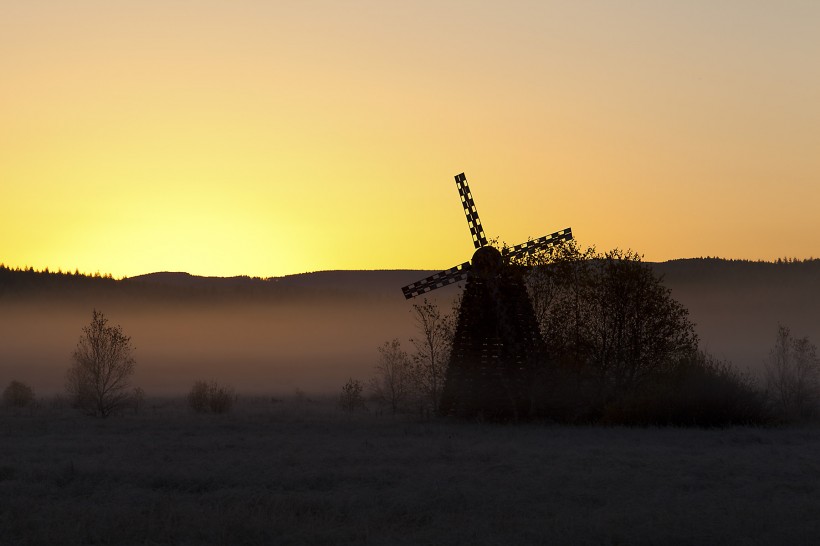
x: 103, y: 363
x: 392, y: 383
x: 432, y: 352
x: 793, y: 376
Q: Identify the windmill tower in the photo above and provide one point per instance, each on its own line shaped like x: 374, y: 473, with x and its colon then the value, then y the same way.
x: 497, y: 344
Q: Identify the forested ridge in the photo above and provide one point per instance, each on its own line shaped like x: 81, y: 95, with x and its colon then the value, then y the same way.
x: 24, y: 283
x: 21, y: 284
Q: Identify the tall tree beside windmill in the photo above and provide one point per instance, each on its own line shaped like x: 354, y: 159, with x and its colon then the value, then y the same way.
x: 497, y: 346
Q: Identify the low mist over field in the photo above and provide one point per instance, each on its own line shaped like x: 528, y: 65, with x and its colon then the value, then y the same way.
x: 738, y: 305
x: 314, y: 331
x: 308, y: 332
x: 252, y: 347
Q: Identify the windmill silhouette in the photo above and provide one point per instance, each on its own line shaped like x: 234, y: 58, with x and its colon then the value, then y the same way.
x: 497, y: 346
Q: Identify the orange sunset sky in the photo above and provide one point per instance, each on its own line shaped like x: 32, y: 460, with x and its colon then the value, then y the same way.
x: 268, y: 138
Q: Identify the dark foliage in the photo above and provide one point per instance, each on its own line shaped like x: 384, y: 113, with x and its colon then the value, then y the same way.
x: 18, y: 395
x: 696, y: 391
x: 26, y: 284
x: 622, y: 350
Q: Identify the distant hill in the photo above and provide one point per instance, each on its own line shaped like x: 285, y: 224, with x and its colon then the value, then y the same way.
x: 675, y: 272
x: 15, y: 284
x: 340, y: 280
x: 708, y: 275
x: 368, y: 285
x: 186, y: 279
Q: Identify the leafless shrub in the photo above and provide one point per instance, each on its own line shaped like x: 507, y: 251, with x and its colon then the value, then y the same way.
x: 18, y: 395
x: 351, y: 398
x: 211, y: 397
x: 137, y: 399
x: 793, y: 377
x: 432, y: 352
x: 392, y: 385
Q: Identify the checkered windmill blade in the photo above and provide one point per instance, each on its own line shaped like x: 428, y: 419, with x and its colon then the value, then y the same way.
x: 519, y: 251
x: 461, y: 271
x: 470, y: 211
x: 450, y: 276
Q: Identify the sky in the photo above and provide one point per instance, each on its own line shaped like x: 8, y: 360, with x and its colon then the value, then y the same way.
x: 268, y: 138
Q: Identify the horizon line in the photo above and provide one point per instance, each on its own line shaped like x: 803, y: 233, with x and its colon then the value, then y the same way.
x: 98, y: 274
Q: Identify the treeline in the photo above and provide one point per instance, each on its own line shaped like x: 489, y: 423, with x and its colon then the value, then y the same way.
x: 18, y: 284
x: 29, y: 275
x: 718, y: 270
x: 27, y: 282
x: 789, y: 274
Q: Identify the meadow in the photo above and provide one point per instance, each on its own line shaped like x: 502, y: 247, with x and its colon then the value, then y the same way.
x: 298, y: 470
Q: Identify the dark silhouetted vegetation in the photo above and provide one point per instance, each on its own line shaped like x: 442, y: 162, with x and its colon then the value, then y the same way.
x: 622, y: 350
x: 392, y: 386
x: 695, y: 391
x: 412, y: 383
x: 98, y: 381
x: 793, y: 377
x: 352, y: 397
x: 18, y: 395
x: 432, y: 351
x: 211, y: 397
x: 29, y: 283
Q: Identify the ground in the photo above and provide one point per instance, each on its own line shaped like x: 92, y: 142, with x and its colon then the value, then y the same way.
x: 297, y: 471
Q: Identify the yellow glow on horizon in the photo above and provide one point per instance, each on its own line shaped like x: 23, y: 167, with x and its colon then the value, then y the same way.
x: 265, y: 139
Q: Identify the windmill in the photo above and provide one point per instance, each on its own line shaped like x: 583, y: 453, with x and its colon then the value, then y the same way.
x: 497, y: 344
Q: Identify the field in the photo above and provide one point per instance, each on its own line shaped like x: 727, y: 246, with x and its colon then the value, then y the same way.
x: 299, y: 471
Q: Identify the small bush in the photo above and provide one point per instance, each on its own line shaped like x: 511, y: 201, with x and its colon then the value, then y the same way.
x: 351, y: 398
x: 211, y: 397
x: 18, y: 395
x: 698, y: 391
